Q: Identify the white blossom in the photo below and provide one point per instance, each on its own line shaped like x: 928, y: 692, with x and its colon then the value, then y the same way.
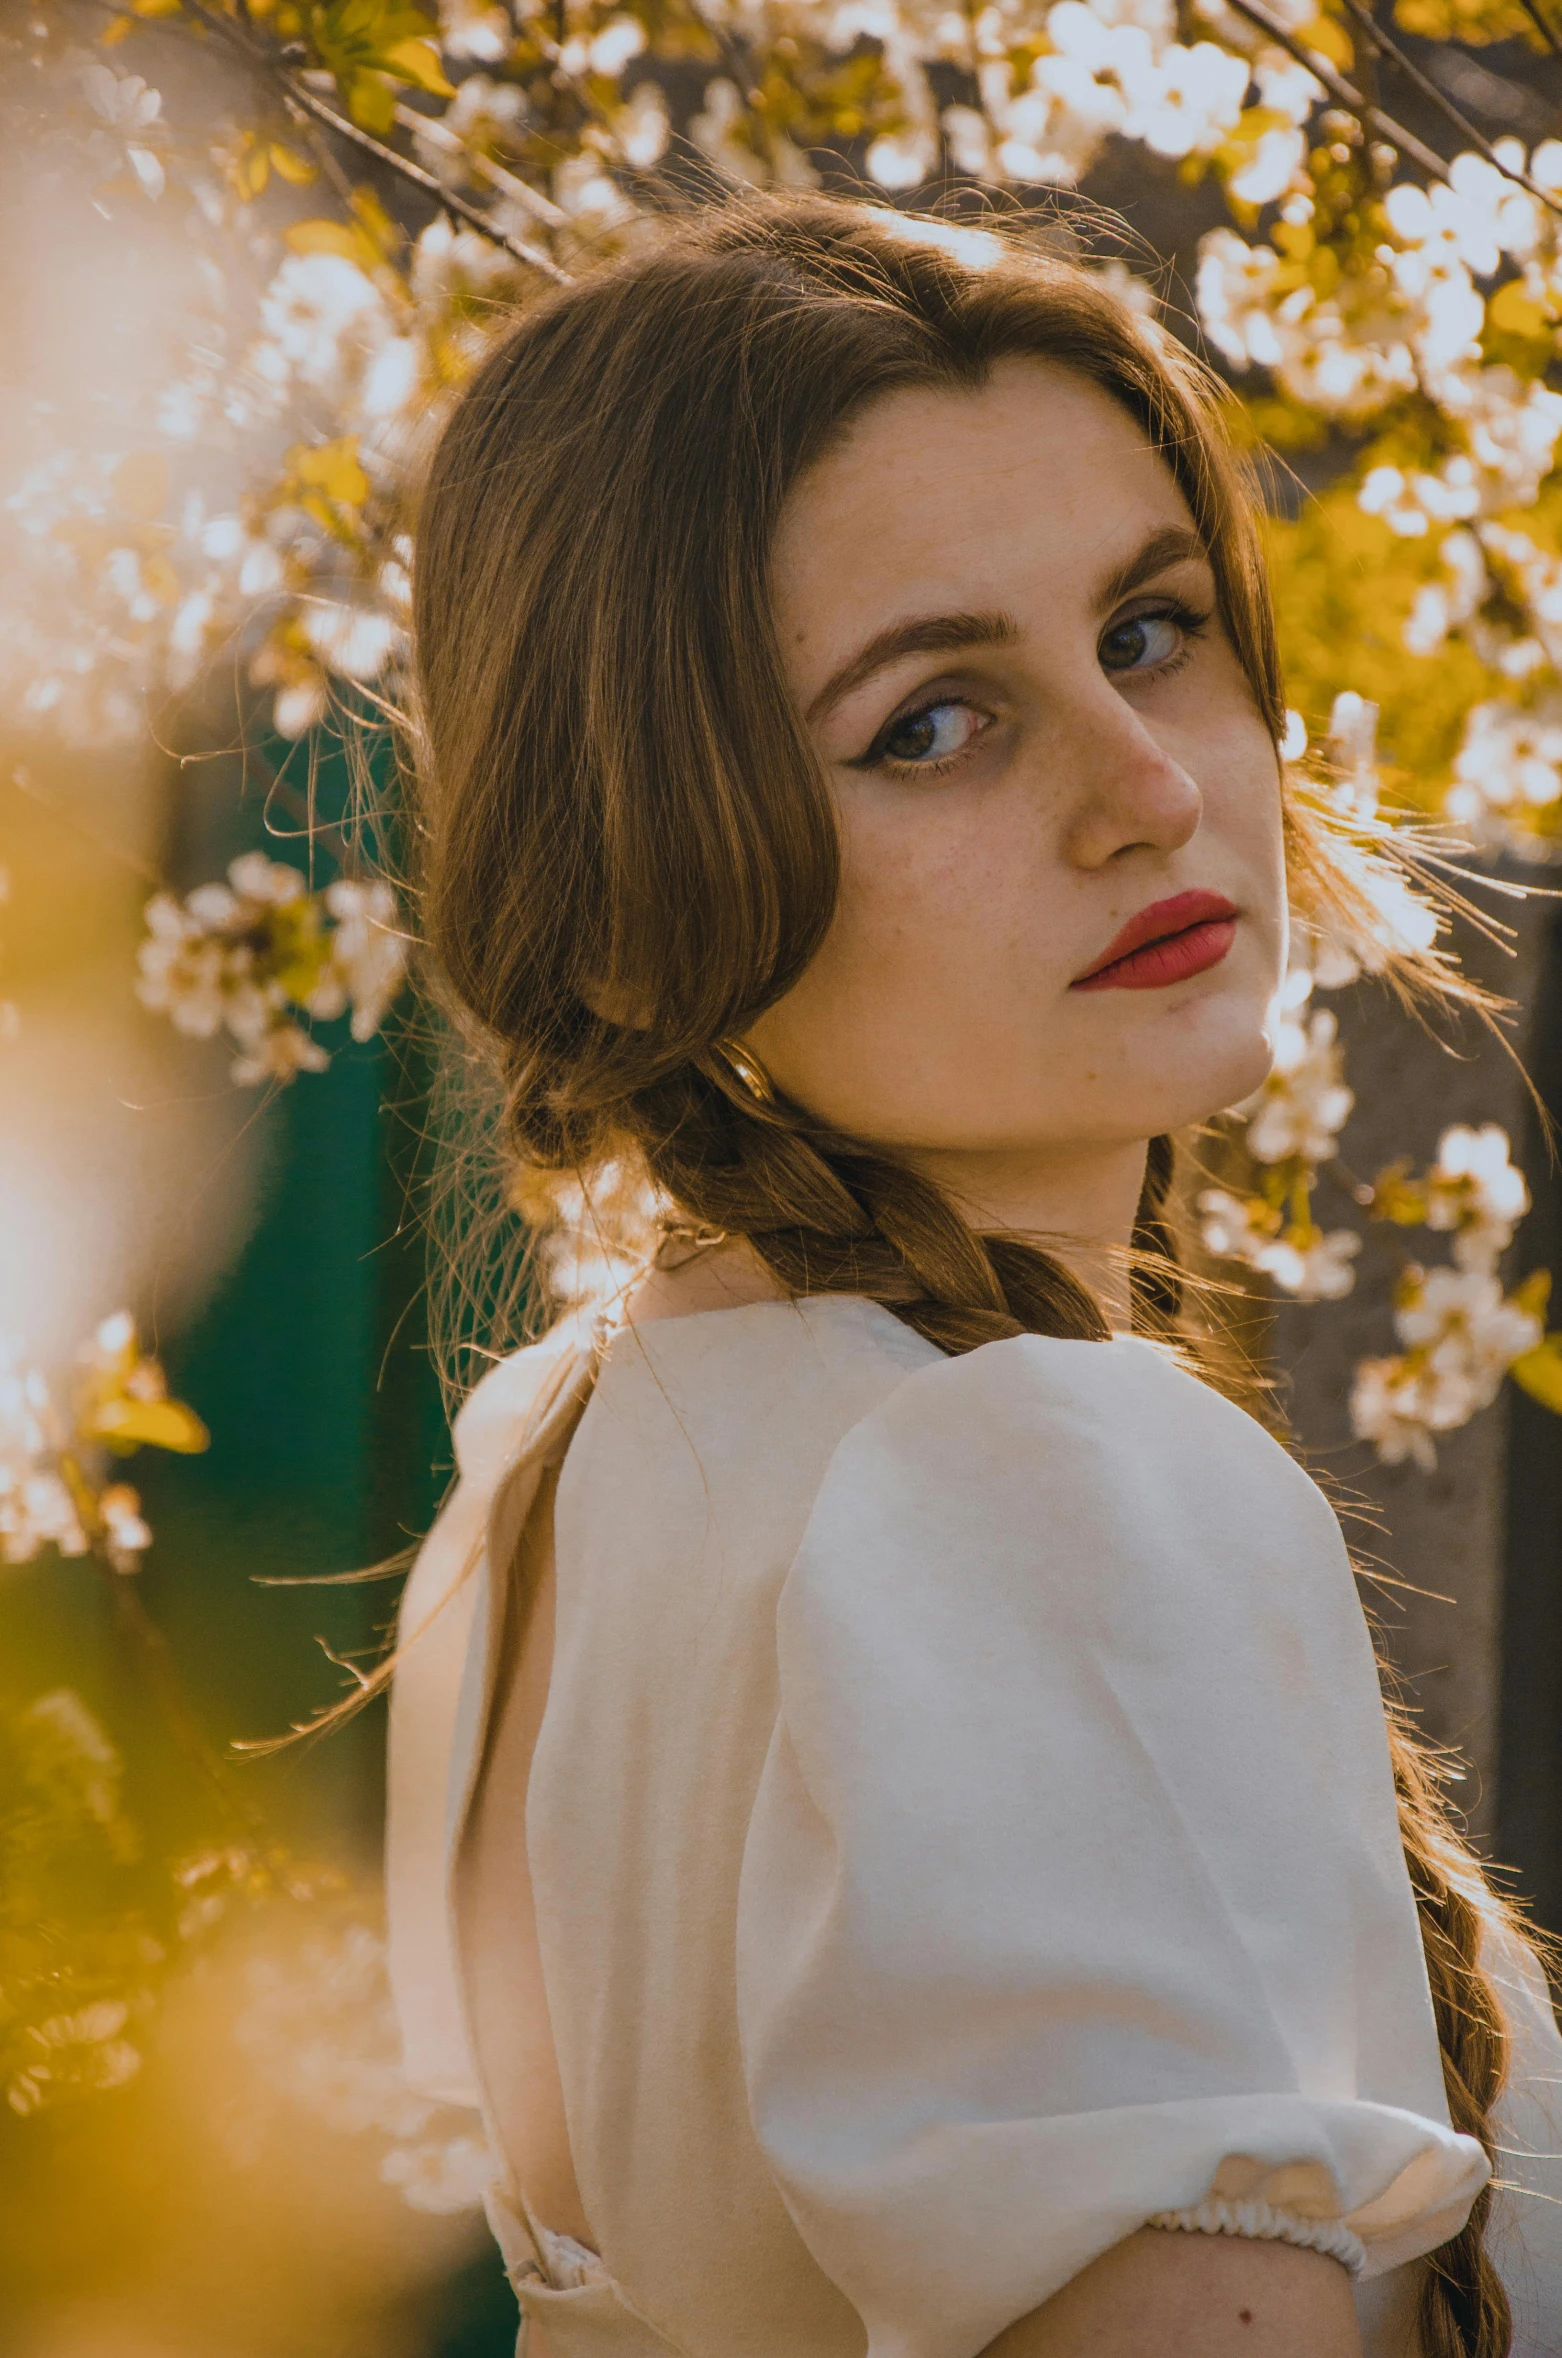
x: 356, y: 642
x: 1305, y: 1100
x: 484, y: 114
x: 127, y: 1534
x: 1509, y: 758
x: 242, y: 955
x: 1310, y: 1263
x: 441, y: 2175
x: 1392, y: 1406
x: 1443, y: 606
x: 129, y: 108
x: 321, y: 2029
x: 319, y: 314
x: 1477, y: 216
x: 320, y: 2025
x: 474, y: 28
x: 1353, y: 749
x: 641, y: 127
x: 1278, y: 156
x: 1193, y: 102
x: 1474, y: 1189
x: 367, y: 952
x: 1469, y: 1332
x: 281, y: 1051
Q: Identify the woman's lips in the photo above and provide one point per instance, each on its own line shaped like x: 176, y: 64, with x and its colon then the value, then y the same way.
x: 1165, y: 943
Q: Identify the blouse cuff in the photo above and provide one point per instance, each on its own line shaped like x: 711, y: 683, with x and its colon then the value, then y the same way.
x: 1261, y: 2222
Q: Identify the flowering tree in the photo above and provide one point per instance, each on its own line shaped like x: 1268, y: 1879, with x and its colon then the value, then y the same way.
x: 347, y: 199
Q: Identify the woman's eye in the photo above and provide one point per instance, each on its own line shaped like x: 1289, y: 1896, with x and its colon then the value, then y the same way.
x: 935, y: 734
x: 1143, y: 642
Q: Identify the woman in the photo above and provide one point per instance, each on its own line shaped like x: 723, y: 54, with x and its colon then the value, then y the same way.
x: 924, y: 1866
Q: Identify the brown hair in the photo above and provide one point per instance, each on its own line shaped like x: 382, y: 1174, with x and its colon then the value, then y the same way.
x: 621, y: 814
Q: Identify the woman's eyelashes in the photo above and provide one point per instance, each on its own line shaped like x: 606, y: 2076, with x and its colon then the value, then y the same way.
x: 928, y: 738
x: 933, y: 734
x: 1157, y: 640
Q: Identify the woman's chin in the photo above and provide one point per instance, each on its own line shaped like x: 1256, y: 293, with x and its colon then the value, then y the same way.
x: 1213, y: 1076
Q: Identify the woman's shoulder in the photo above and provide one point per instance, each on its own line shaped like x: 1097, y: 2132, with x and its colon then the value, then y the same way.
x: 711, y: 1330
x: 1040, y: 1459
x: 1128, y: 1403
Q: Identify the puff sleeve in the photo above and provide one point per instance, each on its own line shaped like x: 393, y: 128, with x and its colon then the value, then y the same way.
x: 1072, y: 1897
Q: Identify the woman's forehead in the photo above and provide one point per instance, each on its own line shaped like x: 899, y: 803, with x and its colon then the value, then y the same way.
x: 1031, y: 488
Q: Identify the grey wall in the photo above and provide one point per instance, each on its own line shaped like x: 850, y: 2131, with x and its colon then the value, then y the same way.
x: 1435, y: 1545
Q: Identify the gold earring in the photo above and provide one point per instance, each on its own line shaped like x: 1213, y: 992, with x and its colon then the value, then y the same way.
x: 747, y: 1071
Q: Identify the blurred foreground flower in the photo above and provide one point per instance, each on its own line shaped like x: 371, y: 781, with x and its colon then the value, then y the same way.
x: 78, y: 1953
x: 52, y: 1490
x: 252, y: 955
x: 320, y: 2026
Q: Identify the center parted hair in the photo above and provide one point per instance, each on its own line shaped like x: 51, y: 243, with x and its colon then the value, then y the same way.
x: 627, y: 848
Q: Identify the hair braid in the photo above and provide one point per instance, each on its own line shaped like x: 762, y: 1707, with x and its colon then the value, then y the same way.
x: 1464, y: 2307
x: 829, y: 1215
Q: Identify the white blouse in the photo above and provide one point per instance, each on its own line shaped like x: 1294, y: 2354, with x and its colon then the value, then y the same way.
x: 961, y: 1831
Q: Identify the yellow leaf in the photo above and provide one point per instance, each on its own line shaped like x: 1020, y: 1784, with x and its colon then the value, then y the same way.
x: 1534, y: 1294
x: 334, y: 469
x: 371, y: 102
x: 1540, y: 1372
x: 159, y: 577
x: 418, y: 62
x: 126, y: 1424
x: 291, y: 165
x: 254, y: 172
x: 1515, y: 311
x: 380, y: 230
x: 114, y: 31
x: 330, y: 237
x: 141, y: 484
x: 1397, y: 1197
x: 1330, y: 40
x: 156, y: 7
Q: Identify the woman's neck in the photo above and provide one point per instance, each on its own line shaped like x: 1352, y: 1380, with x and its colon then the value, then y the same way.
x: 1080, y: 1204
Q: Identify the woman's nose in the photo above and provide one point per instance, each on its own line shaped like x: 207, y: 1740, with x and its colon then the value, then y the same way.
x: 1127, y: 792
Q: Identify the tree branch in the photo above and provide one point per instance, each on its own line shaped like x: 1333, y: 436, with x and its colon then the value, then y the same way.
x: 1546, y: 31
x: 1344, y: 93
x: 302, y: 97
x: 1429, y: 90
x: 541, y: 208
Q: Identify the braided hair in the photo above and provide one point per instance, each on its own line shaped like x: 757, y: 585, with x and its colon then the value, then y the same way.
x: 626, y: 850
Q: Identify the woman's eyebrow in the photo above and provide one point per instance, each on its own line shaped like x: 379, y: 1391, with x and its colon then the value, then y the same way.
x: 928, y: 634
x: 1173, y: 545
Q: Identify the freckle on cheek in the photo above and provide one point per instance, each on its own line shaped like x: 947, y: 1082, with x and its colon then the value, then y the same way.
x: 1246, y: 2316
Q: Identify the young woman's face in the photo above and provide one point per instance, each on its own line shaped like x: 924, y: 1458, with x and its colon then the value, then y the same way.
x: 999, y: 622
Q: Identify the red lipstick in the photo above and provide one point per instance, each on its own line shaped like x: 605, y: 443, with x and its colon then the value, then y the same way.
x: 1165, y: 943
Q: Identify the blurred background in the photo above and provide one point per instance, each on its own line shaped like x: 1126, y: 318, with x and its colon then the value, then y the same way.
x: 253, y: 250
